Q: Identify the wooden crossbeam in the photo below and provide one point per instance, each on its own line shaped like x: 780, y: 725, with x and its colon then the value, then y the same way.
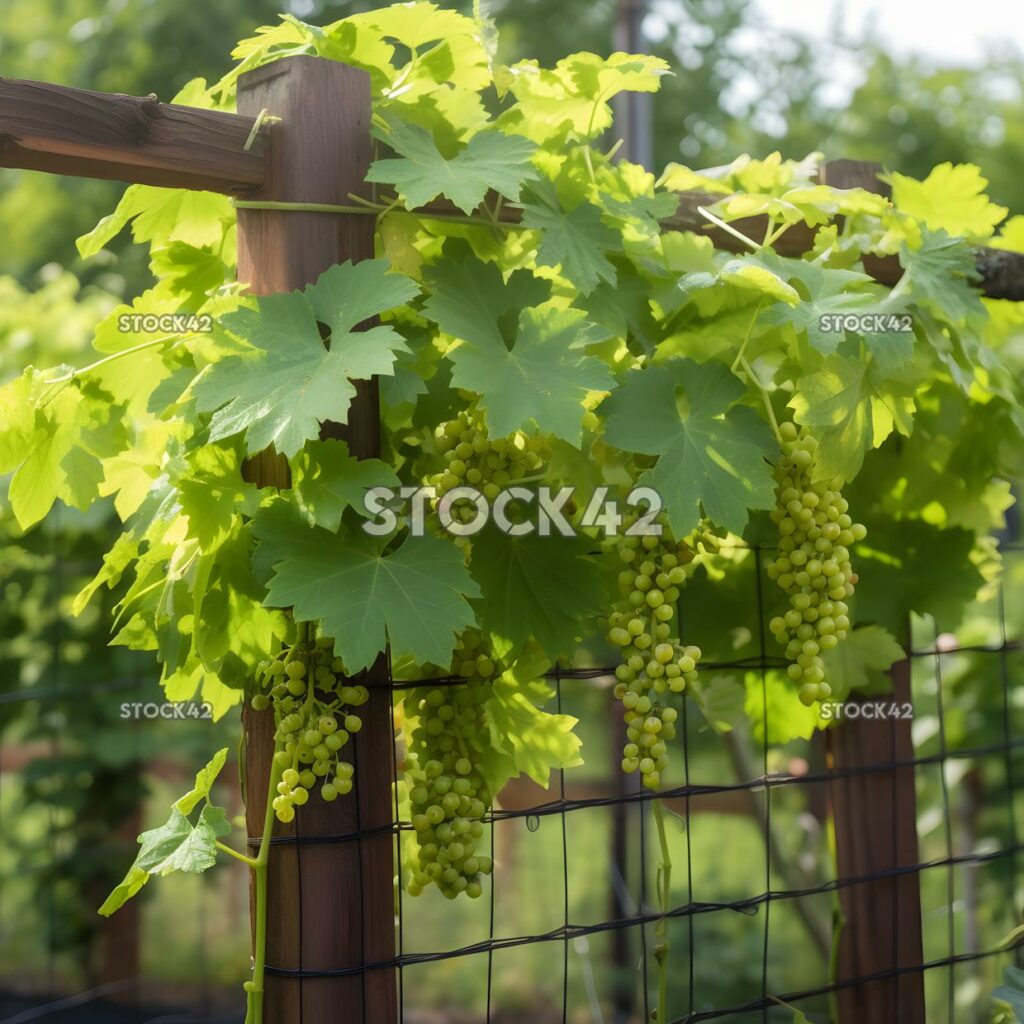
x: 138, y: 139
x: 127, y: 138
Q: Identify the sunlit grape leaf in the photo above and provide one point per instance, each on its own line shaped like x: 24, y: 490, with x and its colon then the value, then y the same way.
x: 576, y: 240
x: 575, y: 94
x: 851, y: 409
x: 213, y: 492
x: 414, y: 599
x: 952, y: 199
x: 829, y: 293
x: 291, y: 381
x: 773, y: 706
x: 178, y: 845
x: 326, y: 480
x: 421, y: 173
x: 711, y: 451
x: 854, y: 664
x: 535, y: 741
x: 162, y: 215
x: 535, y: 587
x: 205, y: 778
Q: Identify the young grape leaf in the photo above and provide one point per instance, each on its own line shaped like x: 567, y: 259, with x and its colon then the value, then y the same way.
x: 1011, y: 991
x: 852, y: 409
x: 535, y: 587
x: 830, y: 293
x: 773, y: 707
x: 490, y: 160
x: 290, y: 382
x: 162, y: 215
x: 49, y: 437
x: 178, y: 845
x: 576, y: 240
x: 327, y: 480
x: 213, y: 492
x: 855, y: 663
x: 533, y: 740
x: 205, y: 778
x: 711, y: 455
x: 952, y: 199
x: 130, y: 886
x: 415, y: 598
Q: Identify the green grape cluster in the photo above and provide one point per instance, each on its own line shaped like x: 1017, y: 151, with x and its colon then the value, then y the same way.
x: 449, y: 796
x: 813, y: 562
x: 654, y: 662
x: 473, y: 459
x: 313, y: 711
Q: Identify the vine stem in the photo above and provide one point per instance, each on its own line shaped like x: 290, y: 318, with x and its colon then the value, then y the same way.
x: 372, y: 209
x: 764, y: 397
x: 661, y: 928
x: 254, y: 989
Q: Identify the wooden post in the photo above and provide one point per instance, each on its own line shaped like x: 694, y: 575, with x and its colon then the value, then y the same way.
x: 331, y: 905
x: 875, y: 818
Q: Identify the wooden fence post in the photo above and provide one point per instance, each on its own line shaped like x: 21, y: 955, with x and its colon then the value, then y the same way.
x: 875, y: 818
x: 330, y: 904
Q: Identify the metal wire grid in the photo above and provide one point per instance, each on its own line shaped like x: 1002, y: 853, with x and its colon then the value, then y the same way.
x: 692, y: 909
x: 767, y: 782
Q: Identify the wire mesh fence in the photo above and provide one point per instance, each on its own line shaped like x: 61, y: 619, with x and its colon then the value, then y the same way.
x: 565, y: 929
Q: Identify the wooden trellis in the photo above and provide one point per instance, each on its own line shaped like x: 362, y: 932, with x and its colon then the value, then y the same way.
x: 331, y: 905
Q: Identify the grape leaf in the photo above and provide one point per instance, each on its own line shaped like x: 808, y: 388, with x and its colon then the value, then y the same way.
x: 49, y: 434
x: 534, y: 587
x: 711, y: 458
x: 528, y: 371
x: 213, y: 492
x: 830, y: 293
x: 1011, y: 991
x: 720, y: 702
x: 952, y: 199
x: 178, y: 845
x: 854, y: 664
x: 414, y: 599
x: 907, y: 565
x: 576, y: 240
x: 852, y: 409
x: 523, y: 737
x: 205, y: 778
x: 162, y: 215
x: 773, y: 706
x: 290, y: 382
x: 327, y: 480
x: 490, y: 160
x: 938, y: 275
x: 541, y: 380
x: 471, y: 301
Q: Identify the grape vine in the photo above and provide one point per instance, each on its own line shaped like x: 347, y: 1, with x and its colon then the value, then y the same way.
x: 594, y: 341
